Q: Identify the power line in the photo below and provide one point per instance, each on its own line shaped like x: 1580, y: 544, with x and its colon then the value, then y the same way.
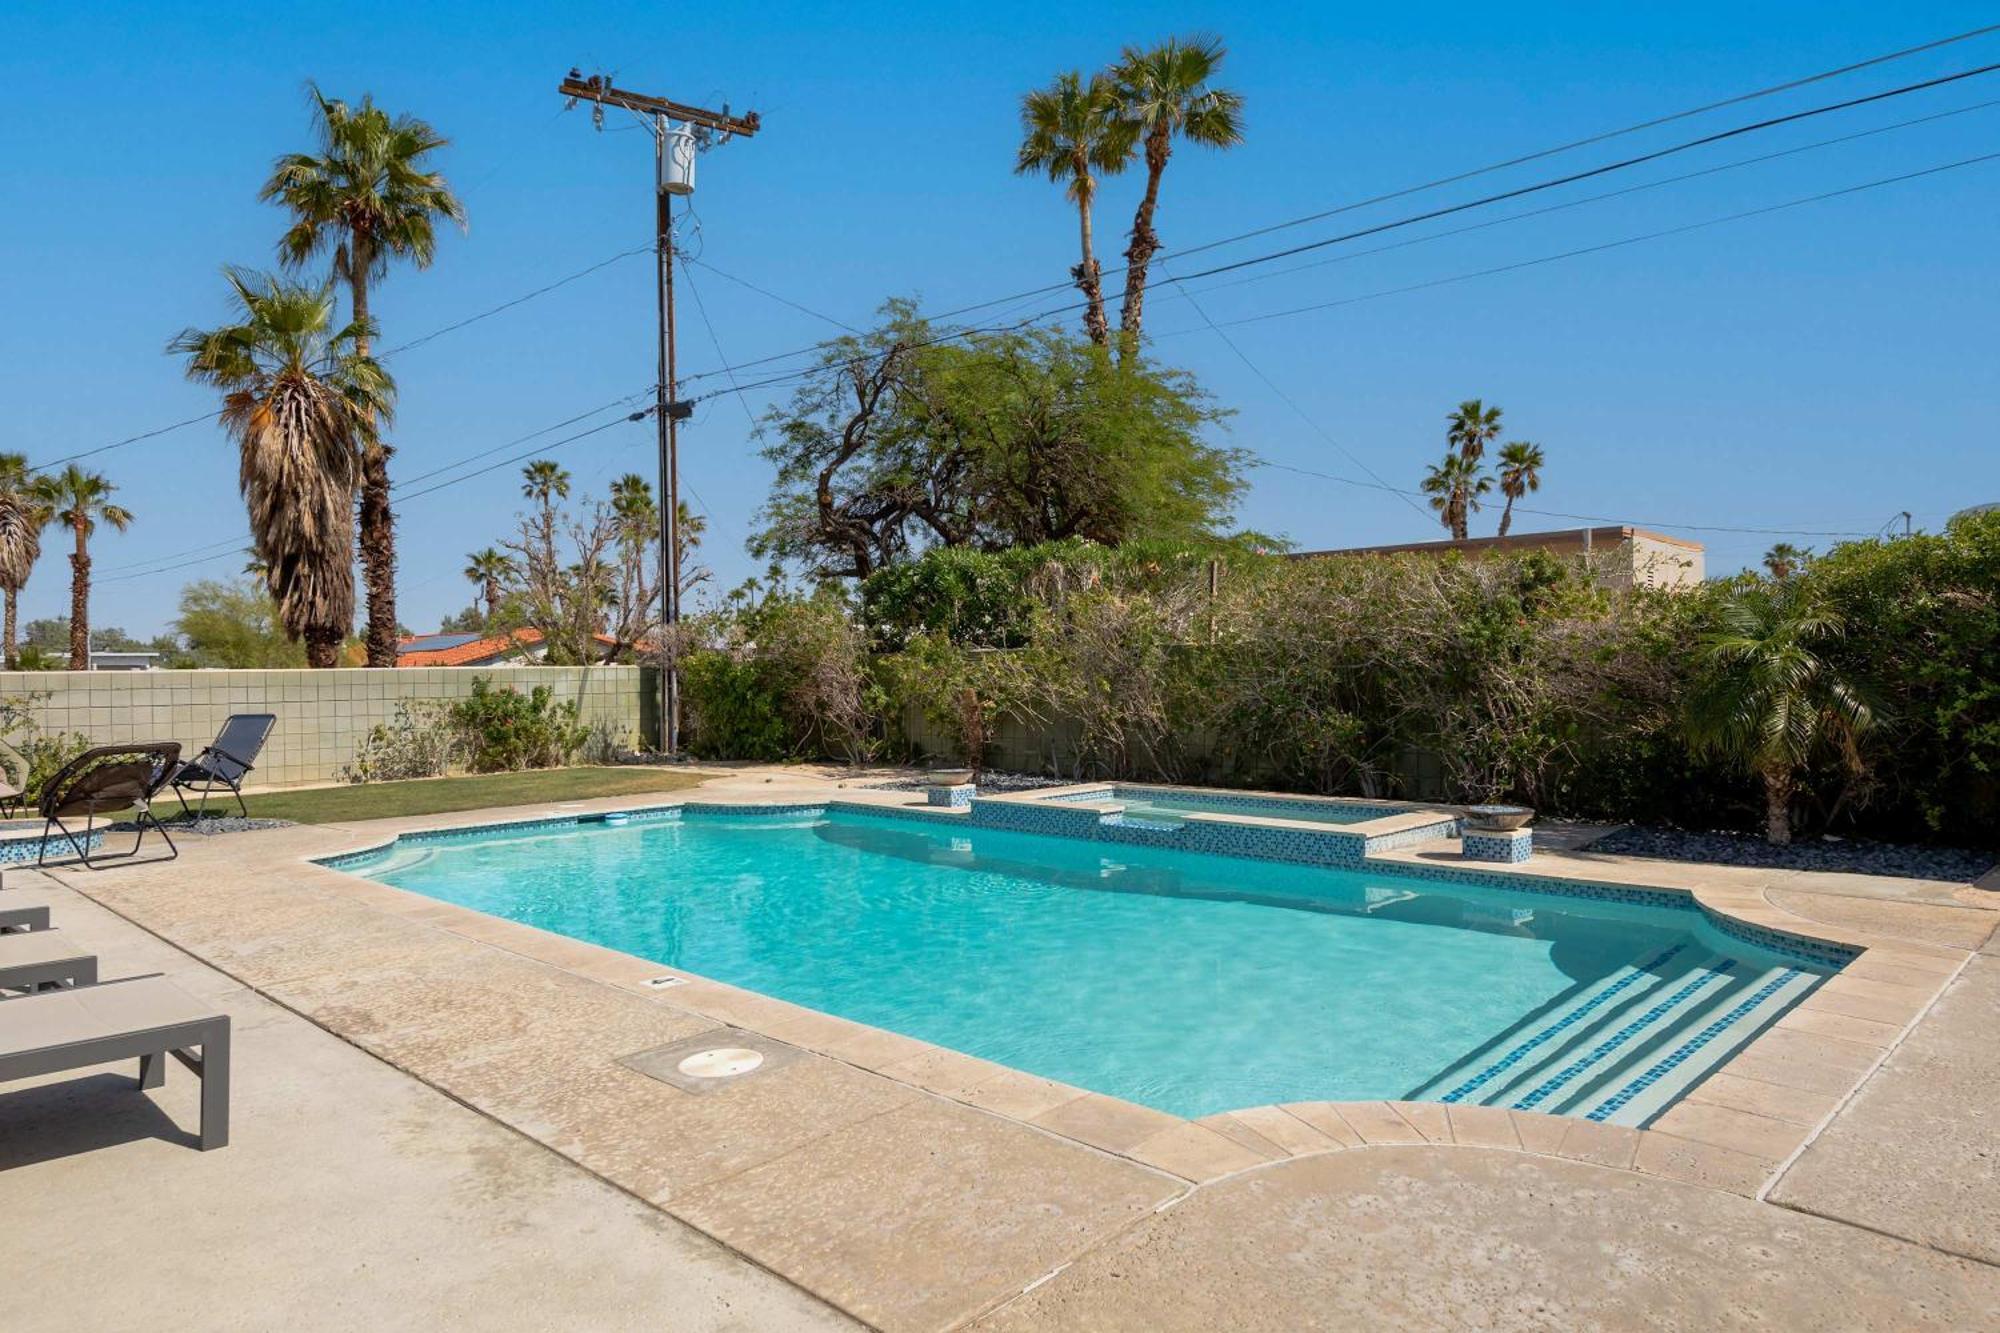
x: 1311, y: 421
x: 1413, y: 219
x: 1584, y: 518
x: 1609, y: 194
x: 542, y: 449
x: 404, y: 347
x: 1607, y: 245
x: 1655, y: 123
x: 519, y: 300
x: 781, y: 300
x: 1441, y: 181
x: 521, y: 439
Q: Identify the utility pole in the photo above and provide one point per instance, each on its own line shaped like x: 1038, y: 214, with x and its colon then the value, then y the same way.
x: 679, y: 131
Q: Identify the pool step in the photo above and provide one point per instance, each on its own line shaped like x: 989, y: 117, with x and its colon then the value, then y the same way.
x: 1619, y: 1050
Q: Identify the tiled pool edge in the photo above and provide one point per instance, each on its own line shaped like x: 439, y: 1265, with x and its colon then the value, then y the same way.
x: 1199, y: 1151
x: 1085, y: 821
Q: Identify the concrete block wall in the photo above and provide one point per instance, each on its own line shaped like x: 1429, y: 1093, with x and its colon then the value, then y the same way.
x: 322, y: 715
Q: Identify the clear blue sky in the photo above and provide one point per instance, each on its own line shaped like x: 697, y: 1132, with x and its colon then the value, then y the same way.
x: 1820, y: 368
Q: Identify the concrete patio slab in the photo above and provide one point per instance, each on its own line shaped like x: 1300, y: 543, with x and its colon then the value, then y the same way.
x: 922, y: 1217
x: 350, y: 1196
x: 1417, y: 1238
x: 1916, y: 1153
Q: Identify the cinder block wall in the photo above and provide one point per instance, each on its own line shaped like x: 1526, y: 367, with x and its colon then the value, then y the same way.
x: 322, y: 715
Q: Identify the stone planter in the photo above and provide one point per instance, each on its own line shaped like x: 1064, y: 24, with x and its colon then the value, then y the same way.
x: 1498, y: 818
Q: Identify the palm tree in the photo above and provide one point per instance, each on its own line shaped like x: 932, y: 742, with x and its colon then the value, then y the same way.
x: 544, y: 481
x: 688, y: 530
x: 1455, y: 487
x: 1784, y: 560
x: 1520, y: 473
x: 1471, y: 428
x: 79, y: 500
x: 1767, y: 698
x: 22, y: 518
x: 367, y: 198
x: 489, y: 570
x: 300, y: 398
x: 1165, y: 94
x: 1070, y: 131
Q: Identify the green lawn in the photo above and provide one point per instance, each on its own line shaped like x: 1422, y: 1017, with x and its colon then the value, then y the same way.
x: 436, y: 796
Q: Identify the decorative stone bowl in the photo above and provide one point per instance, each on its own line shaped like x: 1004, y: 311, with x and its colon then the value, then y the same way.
x: 1498, y: 818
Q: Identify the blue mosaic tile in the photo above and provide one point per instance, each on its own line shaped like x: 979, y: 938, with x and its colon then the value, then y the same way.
x: 1508, y: 847
x: 27, y: 850
x: 1568, y: 1074
x: 1556, y: 1029
x: 1689, y: 1048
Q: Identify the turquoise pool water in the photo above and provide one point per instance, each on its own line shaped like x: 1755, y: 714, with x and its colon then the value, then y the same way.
x: 1166, y: 805
x: 1189, y: 983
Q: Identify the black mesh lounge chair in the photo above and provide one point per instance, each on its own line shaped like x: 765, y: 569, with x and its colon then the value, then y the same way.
x: 224, y: 763
x: 103, y: 781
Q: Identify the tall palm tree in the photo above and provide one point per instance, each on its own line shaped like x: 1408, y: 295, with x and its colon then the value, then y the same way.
x: 544, y: 481
x: 1455, y: 488
x: 80, y: 500
x: 1784, y: 560
x: 366, y: 197
x: 489, y: 571
x: 1768, y: 699
x: 301, y: 399
x: 1520, y: 473
x: 1166, y: 95
x: 1471, y: 428
x: 23, y: 515
x: 1073, y: 131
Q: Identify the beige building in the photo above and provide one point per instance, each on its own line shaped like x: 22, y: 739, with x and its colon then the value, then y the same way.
x: 1619, y: 557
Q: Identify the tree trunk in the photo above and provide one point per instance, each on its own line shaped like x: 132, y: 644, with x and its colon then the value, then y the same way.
x: 492, y: 599
x: 1778, y: 809
x: 1088, y: 278
x: 378, y: 554
x: 323, y: 645
x: 1145, y: 241
x: 377, y: 519
x: 79, y: 605
x: 1507, y: 516
x: 9, y: 652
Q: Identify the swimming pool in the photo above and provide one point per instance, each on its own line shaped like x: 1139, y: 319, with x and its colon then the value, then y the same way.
x: 1190, y: 983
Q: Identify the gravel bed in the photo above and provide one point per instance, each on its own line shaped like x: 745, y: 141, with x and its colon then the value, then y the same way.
x: 1859, y: 856
x: 988, y: 782
x: 212, y: 825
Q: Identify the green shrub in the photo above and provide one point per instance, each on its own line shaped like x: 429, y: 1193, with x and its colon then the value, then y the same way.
x: 504, y: 730
x: 730, y: 713
x: 788, y: 677
x: 419, y: 742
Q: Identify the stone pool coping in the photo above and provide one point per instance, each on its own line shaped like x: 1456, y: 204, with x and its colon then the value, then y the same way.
x: 1732, y: 1131
x: 319, y: 939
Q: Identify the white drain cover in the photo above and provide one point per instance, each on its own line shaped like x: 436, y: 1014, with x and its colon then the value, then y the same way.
x: 722, y: 1062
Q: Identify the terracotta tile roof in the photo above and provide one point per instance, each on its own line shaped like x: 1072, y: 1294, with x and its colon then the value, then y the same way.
x: 472, y: 654
x: 482, y: 652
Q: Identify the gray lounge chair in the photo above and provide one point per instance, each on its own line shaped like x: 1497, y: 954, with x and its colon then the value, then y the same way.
x: 148, y: 1017
x: 44, y: 958
x: 105, y: 780
x: 224, y: 763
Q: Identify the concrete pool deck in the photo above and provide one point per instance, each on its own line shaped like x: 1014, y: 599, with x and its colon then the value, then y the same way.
x: 1843, y: 1167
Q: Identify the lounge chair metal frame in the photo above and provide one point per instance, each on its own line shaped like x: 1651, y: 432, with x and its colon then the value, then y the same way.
x: 121, y: 787
x: 222, y: 769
